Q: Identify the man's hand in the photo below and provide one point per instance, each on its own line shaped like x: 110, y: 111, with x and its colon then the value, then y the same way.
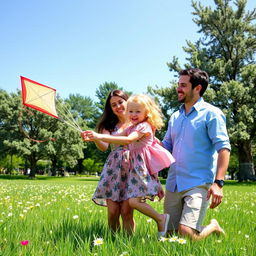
x: 216, y: 193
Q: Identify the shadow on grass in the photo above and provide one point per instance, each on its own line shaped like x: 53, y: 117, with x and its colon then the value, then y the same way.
x: 42, y: 177
x: 26, y: 177
x: 88, y: 179
x: 13, y: 177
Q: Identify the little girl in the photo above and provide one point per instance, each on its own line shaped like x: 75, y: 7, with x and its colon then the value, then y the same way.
x: 146, y: 157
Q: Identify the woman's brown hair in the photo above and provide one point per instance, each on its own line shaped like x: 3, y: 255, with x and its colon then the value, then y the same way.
x: 108, y: 119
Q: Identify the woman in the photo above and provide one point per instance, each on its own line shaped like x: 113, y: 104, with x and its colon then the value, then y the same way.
x: 111, y: 189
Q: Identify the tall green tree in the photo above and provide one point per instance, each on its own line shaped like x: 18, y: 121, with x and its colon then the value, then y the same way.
x: 65, y: 149
x: 84, y: 107
x: 35, y: 136
x: 227, y: 51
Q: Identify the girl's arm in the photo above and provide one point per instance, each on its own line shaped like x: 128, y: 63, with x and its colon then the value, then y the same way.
x: 120, y: 140
x: 101, y: 145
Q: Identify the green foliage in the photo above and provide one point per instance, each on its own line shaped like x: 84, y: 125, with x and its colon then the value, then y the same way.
x: 84, y: 107
x: 91, y: 166
x: 10, y: 163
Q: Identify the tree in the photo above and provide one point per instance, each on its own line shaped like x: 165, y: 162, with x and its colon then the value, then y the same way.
x: 4, y: 113
x: 227, y: 51
x: 34, y: 136
x: 91, y: 166
x: 84, y: 107
x: 66, y: 148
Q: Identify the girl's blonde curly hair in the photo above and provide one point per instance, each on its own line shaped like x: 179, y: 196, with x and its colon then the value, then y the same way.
x: 153, y: 111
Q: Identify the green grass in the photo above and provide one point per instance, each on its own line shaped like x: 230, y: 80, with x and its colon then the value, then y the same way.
x: 57, y: 217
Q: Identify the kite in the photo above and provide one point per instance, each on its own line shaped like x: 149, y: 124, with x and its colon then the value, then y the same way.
x: 43, y: 98
x: 38, y: 96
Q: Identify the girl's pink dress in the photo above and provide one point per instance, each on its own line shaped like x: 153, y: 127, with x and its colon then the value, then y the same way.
x: 146, y: 157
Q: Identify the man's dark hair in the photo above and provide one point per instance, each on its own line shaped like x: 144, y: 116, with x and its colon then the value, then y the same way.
x: 197, y: 76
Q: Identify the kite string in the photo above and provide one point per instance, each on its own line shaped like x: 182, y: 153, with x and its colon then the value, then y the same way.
x: 66, y: 112
x: 68, y: 115
x: 74, y: 127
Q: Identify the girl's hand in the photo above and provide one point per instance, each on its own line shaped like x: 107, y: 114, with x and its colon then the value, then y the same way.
x: 90, y: 135
x: 84, y: 136
x: 160, y: 194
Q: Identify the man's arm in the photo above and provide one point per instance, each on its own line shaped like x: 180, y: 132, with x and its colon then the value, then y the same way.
x: 167, y: 141
x: 215, y: 191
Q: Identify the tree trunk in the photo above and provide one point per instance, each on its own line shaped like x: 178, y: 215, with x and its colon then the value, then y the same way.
x: 33, y: 161
x: 54, y: 166
x: 79, y: 166
x: 246, y: 168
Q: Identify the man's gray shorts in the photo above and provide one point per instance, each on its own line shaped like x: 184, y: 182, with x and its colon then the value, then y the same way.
x: 187, y: 207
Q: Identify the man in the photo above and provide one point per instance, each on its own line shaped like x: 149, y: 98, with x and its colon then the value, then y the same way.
x: 198, y: 140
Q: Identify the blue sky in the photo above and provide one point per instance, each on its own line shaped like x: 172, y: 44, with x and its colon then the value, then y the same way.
x: 74, y: 46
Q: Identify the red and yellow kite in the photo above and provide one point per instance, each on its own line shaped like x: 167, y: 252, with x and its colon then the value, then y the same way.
x: 38, y: 96
x: 42, y: 98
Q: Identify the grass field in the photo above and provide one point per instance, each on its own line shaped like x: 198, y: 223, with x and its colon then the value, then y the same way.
x: 55, y: 216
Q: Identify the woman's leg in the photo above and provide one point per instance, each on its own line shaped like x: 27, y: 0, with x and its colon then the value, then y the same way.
x: 127, y: 217
x: 114, y: 211
x: 149, y: 211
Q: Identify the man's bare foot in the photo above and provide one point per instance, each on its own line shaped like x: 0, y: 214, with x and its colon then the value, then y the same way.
x: 218, y: 228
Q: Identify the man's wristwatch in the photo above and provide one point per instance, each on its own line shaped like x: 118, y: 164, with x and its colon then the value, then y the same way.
x: 220, y: 183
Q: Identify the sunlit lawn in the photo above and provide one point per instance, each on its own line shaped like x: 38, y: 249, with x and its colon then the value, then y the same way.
x: 55, y: 216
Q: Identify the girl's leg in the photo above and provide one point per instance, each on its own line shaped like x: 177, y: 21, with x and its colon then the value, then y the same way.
x: 127, y: 217
x: 147, y: 210
x: 114, y: 211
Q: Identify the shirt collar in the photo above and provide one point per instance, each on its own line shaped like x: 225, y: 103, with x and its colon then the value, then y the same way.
x: 197, y: 106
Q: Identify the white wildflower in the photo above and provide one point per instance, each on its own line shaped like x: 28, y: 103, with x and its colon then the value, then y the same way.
x: 98, y: 241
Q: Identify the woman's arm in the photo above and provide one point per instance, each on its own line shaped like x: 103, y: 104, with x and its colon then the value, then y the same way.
x: 120, y: 140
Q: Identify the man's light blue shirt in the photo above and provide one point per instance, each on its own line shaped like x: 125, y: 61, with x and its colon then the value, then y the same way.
x: 194, y: 140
